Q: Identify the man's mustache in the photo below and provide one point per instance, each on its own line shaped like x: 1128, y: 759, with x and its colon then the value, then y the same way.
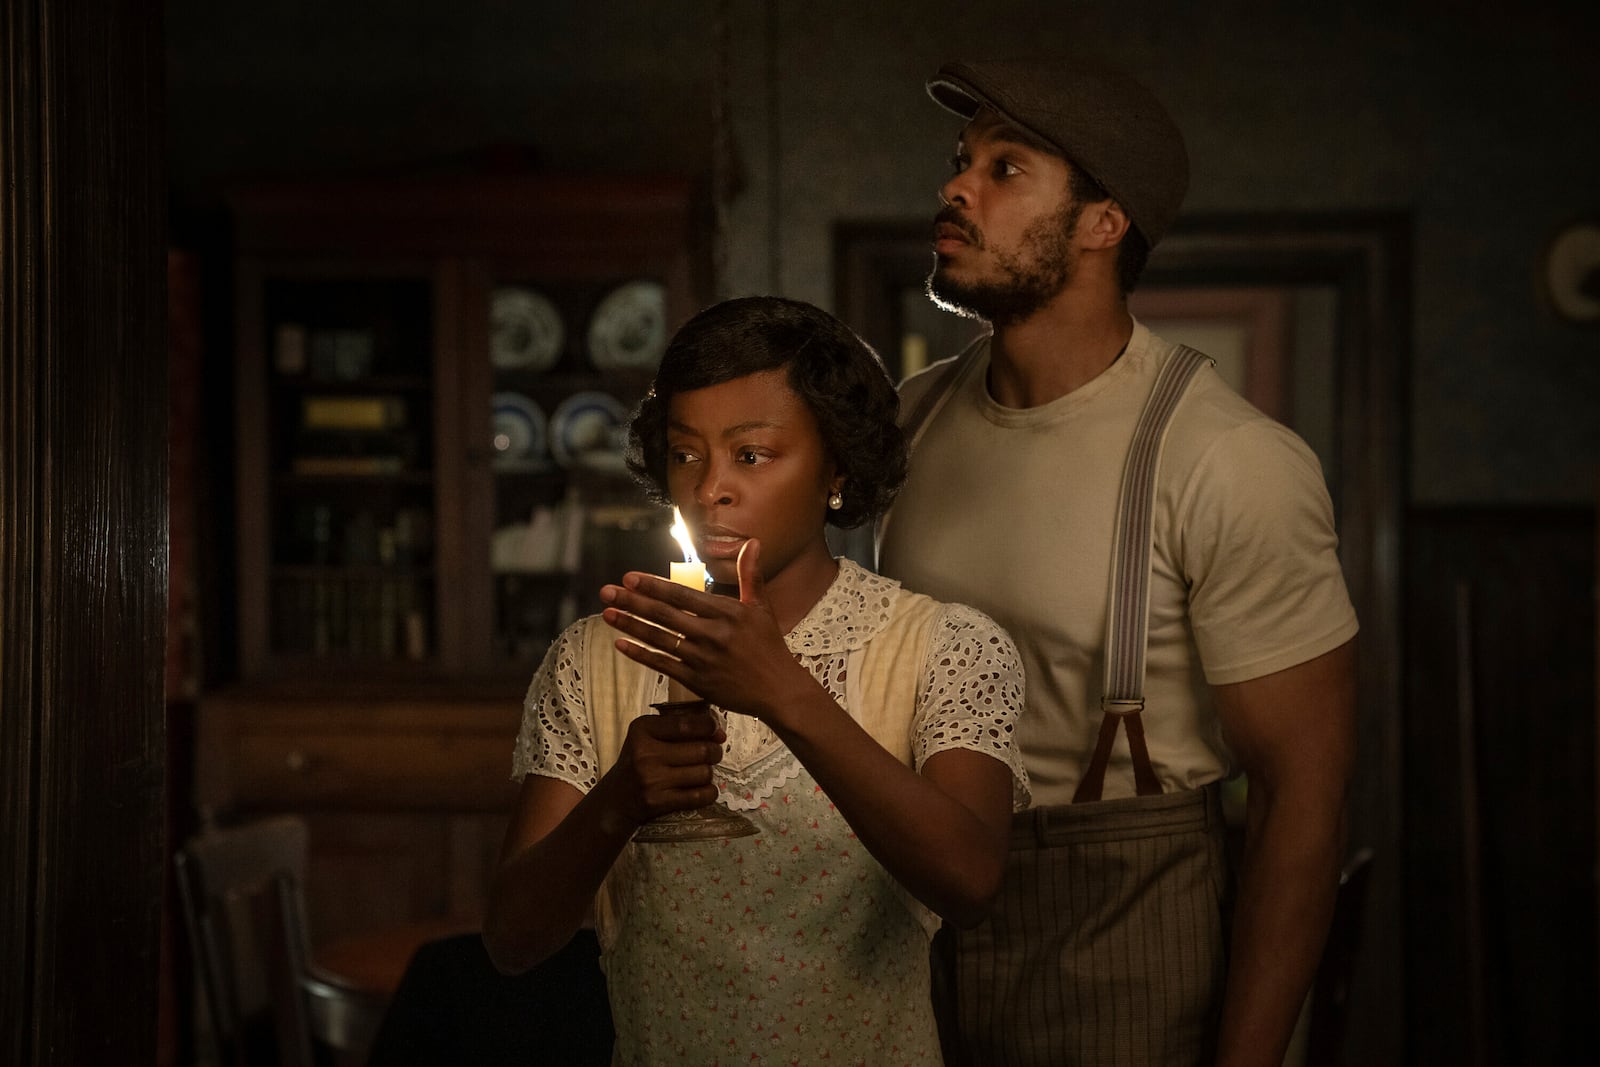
x: 948, y: 215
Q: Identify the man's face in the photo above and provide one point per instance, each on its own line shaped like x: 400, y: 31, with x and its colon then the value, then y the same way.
x: 1003, y: 243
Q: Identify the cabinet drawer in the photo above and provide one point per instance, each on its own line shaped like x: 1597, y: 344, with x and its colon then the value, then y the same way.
x: 374, y: 771
x: 300, y: 752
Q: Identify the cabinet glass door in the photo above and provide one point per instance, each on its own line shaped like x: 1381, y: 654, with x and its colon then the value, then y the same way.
x: 570, y: 361
x: 350, y: 501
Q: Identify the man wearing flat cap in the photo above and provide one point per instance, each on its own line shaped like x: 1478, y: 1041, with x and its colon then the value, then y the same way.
x: 1166, y: 559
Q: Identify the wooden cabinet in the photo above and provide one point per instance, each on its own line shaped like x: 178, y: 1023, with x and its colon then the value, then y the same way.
x: 433, y: 377
x: 406, y: 798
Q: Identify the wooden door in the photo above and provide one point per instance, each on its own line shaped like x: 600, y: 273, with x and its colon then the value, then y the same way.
x: 83, y: 571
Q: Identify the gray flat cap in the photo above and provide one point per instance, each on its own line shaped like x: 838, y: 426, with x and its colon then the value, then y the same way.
x: 1100, y: 119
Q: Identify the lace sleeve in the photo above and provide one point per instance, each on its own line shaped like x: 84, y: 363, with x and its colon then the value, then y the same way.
x: 971, y: 694
x: 556, y: 739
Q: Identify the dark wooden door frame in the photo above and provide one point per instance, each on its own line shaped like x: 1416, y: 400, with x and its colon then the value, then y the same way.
x: 1365, y: 258
x: 1367, y: 261
x: 83, y: 506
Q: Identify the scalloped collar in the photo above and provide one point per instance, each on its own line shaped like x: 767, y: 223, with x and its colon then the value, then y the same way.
x: 856, y: 607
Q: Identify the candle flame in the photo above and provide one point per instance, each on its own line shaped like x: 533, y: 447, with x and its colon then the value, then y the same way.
x: 680, y: 533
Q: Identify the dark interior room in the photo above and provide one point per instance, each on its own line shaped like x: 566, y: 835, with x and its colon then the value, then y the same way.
x: 323, y: 324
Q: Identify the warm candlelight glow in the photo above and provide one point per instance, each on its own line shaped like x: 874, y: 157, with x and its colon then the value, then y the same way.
x: 691, y: 572
x: 680, y: 534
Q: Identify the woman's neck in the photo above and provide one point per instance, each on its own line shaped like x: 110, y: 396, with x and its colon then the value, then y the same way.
x: 793, y: 593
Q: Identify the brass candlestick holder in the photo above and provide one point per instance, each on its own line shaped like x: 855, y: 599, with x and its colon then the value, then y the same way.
x: 710, y: 823
x: 714, y: 821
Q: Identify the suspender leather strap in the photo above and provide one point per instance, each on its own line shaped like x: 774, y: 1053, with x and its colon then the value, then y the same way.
x: 1145, y: 782
x: 1128, y: 607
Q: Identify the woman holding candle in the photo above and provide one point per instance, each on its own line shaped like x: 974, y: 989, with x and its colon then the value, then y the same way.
x: 868, y: 735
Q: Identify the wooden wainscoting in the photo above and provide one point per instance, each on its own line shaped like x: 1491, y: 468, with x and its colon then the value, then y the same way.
x: 1499, y: 786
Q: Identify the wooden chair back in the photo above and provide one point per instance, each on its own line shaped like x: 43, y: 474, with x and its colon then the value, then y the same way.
x: 240, y: 889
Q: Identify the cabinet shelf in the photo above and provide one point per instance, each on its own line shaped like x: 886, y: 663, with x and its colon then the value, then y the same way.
x: 523, y: 469
x: 391, y: 383
x: 359, y: 572
x: 303, y: 482
x: 629, y: 385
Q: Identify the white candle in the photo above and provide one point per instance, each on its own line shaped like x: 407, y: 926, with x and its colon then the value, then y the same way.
x: 692, y: 574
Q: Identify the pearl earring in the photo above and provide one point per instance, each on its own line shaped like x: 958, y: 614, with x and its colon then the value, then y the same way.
x: 836, y: 501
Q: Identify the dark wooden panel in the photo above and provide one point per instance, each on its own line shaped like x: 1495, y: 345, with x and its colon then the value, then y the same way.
x: 369, y: 871
x: 82, y: 531
x: 402, y: 753
x: 1500, y: 739
x: 406, y: 795
x: 374, y: 771
x: 373, y: 871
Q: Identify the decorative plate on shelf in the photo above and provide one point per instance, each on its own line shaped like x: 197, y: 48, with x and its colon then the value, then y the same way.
x: 628, y: 331
x: 1572, y: 272
x: 585, y: 425
x: 525, y: 330
x: 518, y: 429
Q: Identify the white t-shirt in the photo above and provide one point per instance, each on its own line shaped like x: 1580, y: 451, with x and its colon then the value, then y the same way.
x: 1013, y: 511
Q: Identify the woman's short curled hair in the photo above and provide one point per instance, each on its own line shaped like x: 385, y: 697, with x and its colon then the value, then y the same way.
x: 840, y: 378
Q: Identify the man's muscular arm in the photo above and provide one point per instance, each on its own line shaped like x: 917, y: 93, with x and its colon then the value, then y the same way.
x: 1293, y: 733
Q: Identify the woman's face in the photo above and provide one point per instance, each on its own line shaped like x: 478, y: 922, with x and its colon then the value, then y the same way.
x: 745, y: 460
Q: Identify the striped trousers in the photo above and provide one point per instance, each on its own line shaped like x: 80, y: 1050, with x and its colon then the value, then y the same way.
x: 1107, y: 947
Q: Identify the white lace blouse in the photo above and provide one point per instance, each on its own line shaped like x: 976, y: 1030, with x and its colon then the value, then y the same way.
x: 795, y: 941
x: 968, y: 695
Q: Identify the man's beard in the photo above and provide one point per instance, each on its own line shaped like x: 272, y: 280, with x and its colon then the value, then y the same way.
x: 1029, y: 278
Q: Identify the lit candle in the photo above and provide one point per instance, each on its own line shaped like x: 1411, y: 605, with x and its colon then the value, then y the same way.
x: 691, y: 572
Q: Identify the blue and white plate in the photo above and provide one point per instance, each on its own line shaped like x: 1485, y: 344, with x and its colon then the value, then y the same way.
x: 628, y: 331
x: 587, y: 425
x: 518, y: 429
x: 525, y: 330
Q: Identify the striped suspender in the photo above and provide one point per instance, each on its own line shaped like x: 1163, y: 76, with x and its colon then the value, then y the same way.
x: 1128, y: 608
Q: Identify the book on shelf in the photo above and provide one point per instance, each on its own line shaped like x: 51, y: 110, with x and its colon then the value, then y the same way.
x: 352, y: 412
x: 348, y: 465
